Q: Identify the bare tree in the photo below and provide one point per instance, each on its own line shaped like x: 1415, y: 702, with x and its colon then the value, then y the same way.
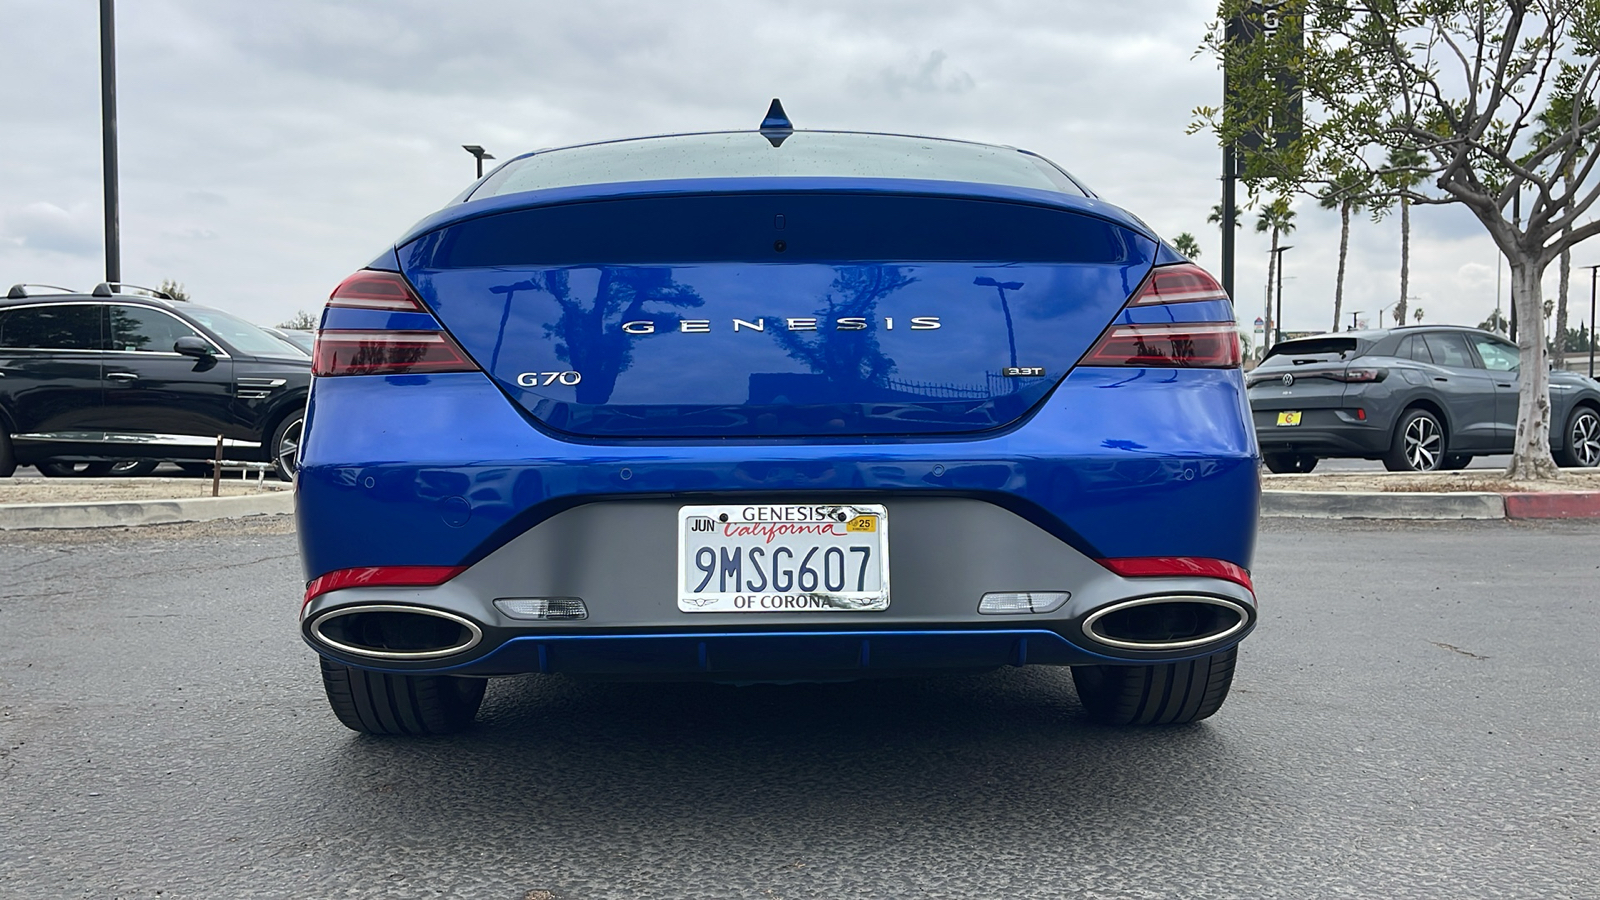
x: 300, y: 321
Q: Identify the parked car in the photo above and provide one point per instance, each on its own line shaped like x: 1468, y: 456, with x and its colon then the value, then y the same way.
x: 687, y: 406
x: 1421, y: 398
x: 91, y: 381
x: 302, y: 340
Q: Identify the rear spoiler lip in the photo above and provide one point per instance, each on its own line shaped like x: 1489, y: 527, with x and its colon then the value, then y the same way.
x: 689, y: 187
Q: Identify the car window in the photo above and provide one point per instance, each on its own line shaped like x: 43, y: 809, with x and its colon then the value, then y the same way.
x: 1413, y: 347
x: 1497, y: 356
x: 140, y: 328
x: 1449, y: 349
x: 247, y: 338
x: 63, y: 327
x: 746, y: 154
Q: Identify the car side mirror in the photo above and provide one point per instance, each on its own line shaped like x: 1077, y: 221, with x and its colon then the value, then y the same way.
x: 189, y: 345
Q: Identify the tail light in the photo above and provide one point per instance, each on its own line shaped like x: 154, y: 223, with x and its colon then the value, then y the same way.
x: 1203, y: 345
x: 341, y: 351
x: 1361, y: 375
x: 1211, y: 345
x: 1179, y: 283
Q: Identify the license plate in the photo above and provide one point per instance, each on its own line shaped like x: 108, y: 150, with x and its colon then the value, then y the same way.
x: 1289, y: 418
x: 766, y: 557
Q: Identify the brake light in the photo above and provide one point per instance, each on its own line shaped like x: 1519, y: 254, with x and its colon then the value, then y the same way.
x: 386, y: 353
x: 380, y: 576
x: 1179, y: 566
x: 368, y: 289
x: 1211, y: 345
x: 1178, y: 283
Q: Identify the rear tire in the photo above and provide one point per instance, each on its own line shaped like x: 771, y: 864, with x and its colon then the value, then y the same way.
x: 8, y: 459
x: 1419, y: 443
x: 1162, y: 694
x: 195, y: 468
x: 133, y: 468
x: 1288, y: 463
x: 74, y: 469
x: 286, y: 445
x: 1455, y: 462
x: 1582, y: 440
x: 380, y: 703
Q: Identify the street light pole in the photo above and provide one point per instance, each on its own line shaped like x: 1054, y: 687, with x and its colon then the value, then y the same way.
x: 1277, y: 317
x: 1592, y: 271
x: 477, y: 153
x: 108, y: 139
x: 1002, y: 287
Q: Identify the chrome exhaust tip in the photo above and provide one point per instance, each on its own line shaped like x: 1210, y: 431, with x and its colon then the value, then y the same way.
x: 391, y: 631
x: 1167, y: 622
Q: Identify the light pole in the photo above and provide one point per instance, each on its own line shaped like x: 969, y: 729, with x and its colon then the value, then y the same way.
x: 477, y: 152
x: 108, y: 138
x: 1277, y: 317
x: 1592, y: 271
x: 1002, y: 287
x: 1353, y: 314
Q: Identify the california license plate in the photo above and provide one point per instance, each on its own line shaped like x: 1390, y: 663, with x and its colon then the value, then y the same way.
x: 1289, y: 418
x: 765, y: 557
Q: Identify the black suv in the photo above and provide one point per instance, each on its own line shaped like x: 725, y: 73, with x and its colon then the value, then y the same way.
x: 113, y: 376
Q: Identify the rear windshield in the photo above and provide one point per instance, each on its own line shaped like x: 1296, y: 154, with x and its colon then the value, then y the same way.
x: 747, y: 154
x: 1317, y: 349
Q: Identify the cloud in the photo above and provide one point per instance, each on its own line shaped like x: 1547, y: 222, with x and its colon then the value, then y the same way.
x: 925, y: 76
x: 45, y: 226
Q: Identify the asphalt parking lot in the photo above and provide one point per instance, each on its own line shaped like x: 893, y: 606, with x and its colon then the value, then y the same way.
x: 1415, y: 717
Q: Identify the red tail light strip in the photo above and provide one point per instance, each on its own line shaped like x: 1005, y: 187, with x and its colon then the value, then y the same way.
x: 1169, y: 566
x: 386, y: 353
x: 1178, y: 283
x: 380, y: 576
x: 376, y: 290
x: 1182, y: 345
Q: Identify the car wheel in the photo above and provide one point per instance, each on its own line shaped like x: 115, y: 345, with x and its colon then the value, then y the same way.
x: 286, y: 445
x: 1289, y: 463
x: 133, y: 468
x: 1582, y: 450
x: 1162, y: 694
x: 74, y: 469
x: 1456, y: 462
x: 1419, y: 444
x: 380, y: 703
x: 195, y: 468
x: 8, y: 459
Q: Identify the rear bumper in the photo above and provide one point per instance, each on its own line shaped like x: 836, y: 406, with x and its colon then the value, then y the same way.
x: 1323, y: 432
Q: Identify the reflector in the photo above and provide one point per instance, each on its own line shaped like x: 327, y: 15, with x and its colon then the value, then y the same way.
x: 1019, y: 602
x: 543, y: 607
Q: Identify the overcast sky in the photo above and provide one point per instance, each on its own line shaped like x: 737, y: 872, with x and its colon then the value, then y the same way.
x: 269, y: 149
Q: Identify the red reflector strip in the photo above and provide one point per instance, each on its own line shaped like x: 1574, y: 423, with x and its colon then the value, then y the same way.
x: 375, y: 290
x: 1202, y: 346
x: 1178, y: 283
x: 386, y: 353
x: 1157, y: 566
x: 380, y: 576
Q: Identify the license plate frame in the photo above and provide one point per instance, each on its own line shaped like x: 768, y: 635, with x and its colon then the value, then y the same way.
x: 1290, y: 418
x: 861, y: 536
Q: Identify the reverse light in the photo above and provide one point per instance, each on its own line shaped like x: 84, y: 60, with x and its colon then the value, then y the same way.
x: 1179, y: 283
x: 380, y: 576
x: 368, y: 289
x: 1210, y: 345
x: 543, y: 608
x: 1179, y: 566
x: 1020, y: 602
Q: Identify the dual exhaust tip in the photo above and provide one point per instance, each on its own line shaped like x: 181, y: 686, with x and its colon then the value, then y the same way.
x: 1167, y: 622
x: 1152, y: 624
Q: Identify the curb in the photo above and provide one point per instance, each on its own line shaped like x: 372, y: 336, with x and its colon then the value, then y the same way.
x: 1382, y: 505
x: 107, y: 514
x: 1554, y: 505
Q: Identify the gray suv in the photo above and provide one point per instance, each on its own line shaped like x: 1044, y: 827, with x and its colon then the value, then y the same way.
x: 1421, y: 398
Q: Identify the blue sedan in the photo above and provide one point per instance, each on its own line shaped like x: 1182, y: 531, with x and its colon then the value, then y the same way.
x: 773, y: 405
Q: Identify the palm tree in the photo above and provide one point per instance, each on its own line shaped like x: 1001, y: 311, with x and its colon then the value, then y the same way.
x: 1347, y: 193
x: 1186, y: 244
x: 1278, y: 219
x: 1417, y: 314
x: 1402, y: 174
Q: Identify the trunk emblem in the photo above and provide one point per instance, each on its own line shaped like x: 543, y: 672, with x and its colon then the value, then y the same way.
x: 1288, y: 380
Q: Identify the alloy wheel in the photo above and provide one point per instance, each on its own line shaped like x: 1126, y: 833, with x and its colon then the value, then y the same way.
x: 289, y: 446
x: 1423, y: 444
x: 1584, y: 439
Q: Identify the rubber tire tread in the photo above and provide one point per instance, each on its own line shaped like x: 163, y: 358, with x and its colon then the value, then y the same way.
x: 390, y: 704
x: 1566, y: 457
x: 1395, y: 459
x: 277, y: 439
x: 1289, y: 463
x: 1161, y: 694
x: 59, y: 470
